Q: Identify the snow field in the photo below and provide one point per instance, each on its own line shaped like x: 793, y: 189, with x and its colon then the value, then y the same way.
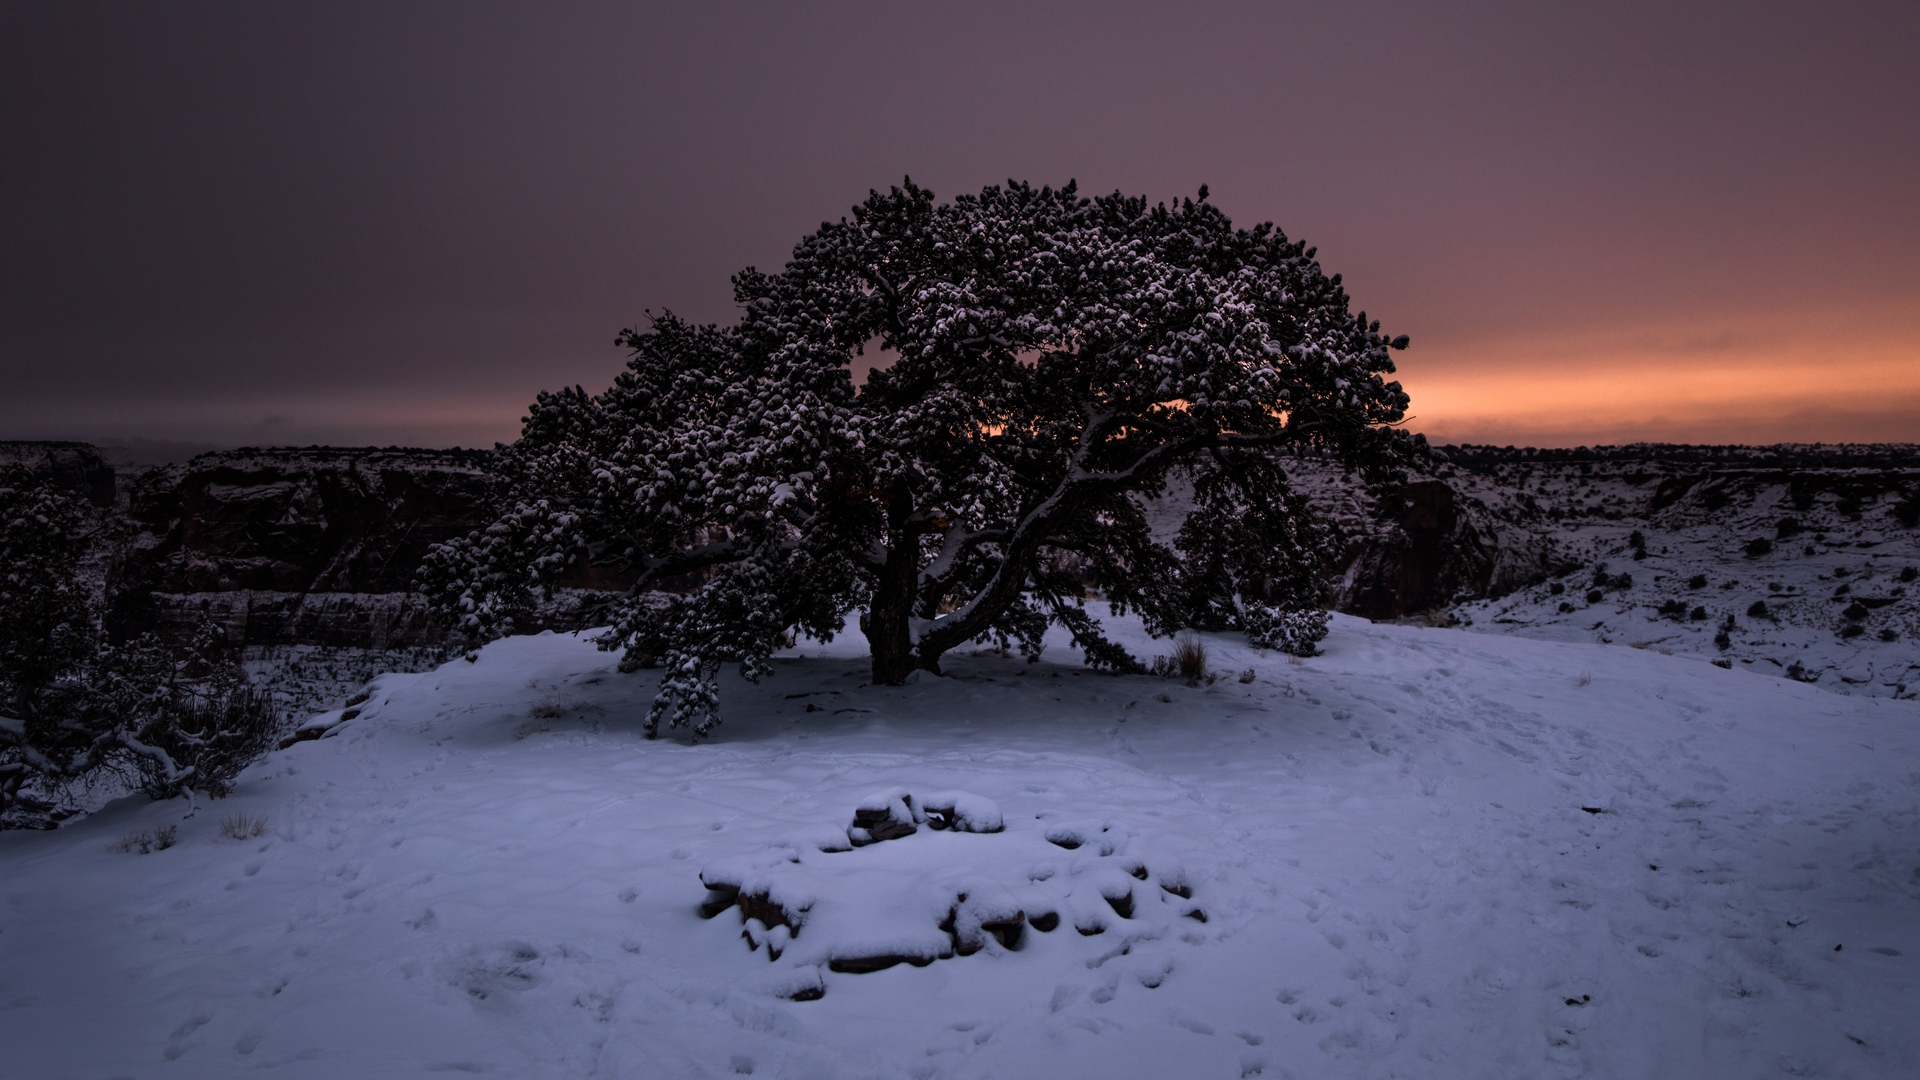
x: 1423, y: 853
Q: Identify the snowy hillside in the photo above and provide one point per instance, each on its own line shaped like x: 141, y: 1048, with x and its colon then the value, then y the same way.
x: 1426, y: 852
x: 1802, y: 565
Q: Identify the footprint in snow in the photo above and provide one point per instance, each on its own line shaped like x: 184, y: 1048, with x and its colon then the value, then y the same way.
x: 493, y: 975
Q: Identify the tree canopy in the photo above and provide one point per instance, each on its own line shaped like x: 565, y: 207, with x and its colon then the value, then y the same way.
x: 1044, y: 362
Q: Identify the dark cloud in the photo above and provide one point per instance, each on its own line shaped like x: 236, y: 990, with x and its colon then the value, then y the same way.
x: 396, y: 222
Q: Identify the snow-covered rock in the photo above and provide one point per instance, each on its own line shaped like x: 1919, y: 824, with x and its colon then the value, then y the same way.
x: 808, y: 903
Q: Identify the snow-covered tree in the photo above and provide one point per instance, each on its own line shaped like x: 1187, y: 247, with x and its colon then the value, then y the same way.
x: 74, y: 708
x: 1044, y: 362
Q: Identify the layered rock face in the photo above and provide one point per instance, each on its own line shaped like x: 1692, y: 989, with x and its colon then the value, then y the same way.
x: 320, y: 520
x: 314, y: 547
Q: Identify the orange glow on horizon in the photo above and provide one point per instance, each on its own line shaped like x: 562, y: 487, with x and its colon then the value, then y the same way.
x: 1777, y: 379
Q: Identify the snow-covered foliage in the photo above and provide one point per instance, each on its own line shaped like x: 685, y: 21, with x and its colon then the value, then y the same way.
x: 77, y: 709
x: 1045, y: 360
x: 45, y: 624
x: 1297, y: 632
x: 46, y: 630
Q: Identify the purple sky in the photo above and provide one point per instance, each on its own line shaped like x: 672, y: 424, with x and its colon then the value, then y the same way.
x: 331, y: 222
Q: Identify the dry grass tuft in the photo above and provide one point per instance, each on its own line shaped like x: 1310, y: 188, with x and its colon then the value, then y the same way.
x: 1190, y: 657
x: 1189, y: 661
x: 242, y: 827
x: 143, y: 843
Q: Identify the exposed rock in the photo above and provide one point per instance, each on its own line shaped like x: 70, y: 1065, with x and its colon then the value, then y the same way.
x: 301, y: 521
x: 73, y: 467
x: 316, y: 546
x: 1486, y: 521
x: 294, y: 547
x: 884, y: 815
x: 928, y: 897
x: 1421, y: 556
x: 961, y: 811
x: 1793, y: 560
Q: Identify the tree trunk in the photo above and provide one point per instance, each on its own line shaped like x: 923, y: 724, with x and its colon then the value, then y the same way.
x: 887, y: 625
x: 888, y: 639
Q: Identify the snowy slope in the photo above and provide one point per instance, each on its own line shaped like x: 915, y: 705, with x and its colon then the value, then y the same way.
x: 1425, y: 853
x: 1806, y: 584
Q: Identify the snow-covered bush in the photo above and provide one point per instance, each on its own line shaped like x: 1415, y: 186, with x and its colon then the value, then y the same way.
x: 46, y: 631
x: 74, y: 708
x: 45, y: 623
x: 1043, y: 362
x: 1297, y: 632
x: 198, y: 736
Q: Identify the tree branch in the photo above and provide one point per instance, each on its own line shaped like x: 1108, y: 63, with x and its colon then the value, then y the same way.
x: 686, y: 562
x: 1036, y: 527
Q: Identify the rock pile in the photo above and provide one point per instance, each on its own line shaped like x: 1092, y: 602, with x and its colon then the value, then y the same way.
x: 884, y: 891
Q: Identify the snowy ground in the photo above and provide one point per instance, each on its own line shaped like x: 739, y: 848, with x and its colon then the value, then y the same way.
x: 1424, y: 853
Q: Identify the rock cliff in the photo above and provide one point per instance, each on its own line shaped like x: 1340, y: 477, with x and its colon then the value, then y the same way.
x: 294, y: 546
